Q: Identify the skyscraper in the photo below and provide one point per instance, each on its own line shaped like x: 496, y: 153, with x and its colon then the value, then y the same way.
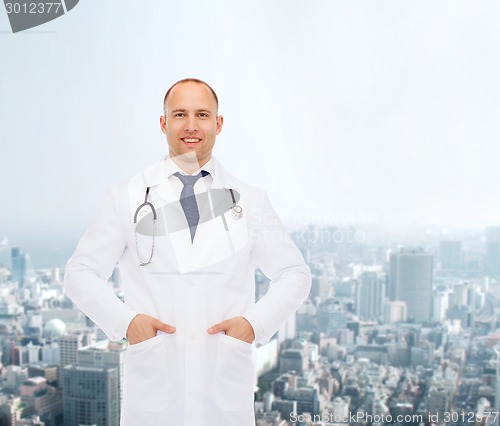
x: 18, y: 272
x: 450, y: 256
x: 90, y: 396
x: 370, y: 293
x: 104, y: 354
x: 69, y: 345
x: 22, y: 268
x: 493, y: 251
x: 411, y: 276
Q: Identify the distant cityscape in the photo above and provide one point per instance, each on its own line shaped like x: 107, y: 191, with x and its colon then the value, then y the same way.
x: 397, y: 330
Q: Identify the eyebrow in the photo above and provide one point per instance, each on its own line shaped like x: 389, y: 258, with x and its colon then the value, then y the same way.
x: 184, y: 110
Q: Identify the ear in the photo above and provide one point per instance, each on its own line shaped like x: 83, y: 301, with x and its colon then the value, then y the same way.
x: 220, y: 122
x: 163, y: 124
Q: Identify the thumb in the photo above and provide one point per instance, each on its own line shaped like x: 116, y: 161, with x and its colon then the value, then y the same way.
x: 159, y: 325
x: 217, y: 328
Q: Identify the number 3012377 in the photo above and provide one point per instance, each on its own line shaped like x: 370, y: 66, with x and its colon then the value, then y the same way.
x: 35, y: 8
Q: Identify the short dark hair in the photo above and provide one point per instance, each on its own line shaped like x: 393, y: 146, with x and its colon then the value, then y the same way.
x: 191, y: 80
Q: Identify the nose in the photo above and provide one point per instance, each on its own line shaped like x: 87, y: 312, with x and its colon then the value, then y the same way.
x: 191, y: 124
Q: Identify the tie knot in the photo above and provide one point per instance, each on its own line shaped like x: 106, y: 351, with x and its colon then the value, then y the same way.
x: 189, y: 180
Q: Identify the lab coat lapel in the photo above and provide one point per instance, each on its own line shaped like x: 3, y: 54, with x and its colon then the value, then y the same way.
x: 171, y: 216
x: 220, y: 237
x: 156, y: 178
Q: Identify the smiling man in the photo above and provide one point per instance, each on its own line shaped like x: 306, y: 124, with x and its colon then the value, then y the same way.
x: 187, y: 237
x: 191, y: 111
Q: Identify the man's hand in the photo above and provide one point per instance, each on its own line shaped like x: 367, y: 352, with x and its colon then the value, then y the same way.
x: 237, y: 327
x: 143, y: 327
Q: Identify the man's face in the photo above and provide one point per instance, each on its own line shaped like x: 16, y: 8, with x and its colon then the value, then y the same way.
x: 191, y: 122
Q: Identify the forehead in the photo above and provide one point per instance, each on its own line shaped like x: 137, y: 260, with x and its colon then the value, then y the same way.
x: 191, y: 95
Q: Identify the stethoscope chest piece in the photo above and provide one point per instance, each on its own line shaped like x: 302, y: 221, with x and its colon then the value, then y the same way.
x: 236, y: 212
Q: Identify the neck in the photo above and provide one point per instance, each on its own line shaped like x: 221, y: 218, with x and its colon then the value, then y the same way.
x: 188, y: 162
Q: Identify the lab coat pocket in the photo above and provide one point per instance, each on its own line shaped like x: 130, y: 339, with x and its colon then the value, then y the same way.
x: 235, y: 374
x: 145, y: 375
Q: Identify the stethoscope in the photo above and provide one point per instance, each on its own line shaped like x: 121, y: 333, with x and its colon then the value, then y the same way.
x: 236, y: 212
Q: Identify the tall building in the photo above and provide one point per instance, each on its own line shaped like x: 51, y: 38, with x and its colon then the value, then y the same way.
x: 411, y: 276
x: 22, y: 270
x: 450, y: 256
x: 497, y: 384
x: 18, y: 272
x: 460, y: 294
x: 493, y: 251
x: 439, y: 401
x: 70, y: 343
x: 104, y: 354
x: 370, y: 294
x: 440, y: 306
x: 90, y: 396
x: 5, y: 255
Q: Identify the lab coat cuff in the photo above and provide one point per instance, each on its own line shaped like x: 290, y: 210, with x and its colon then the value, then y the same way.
x: 258, y: 329
x: 121, y: 330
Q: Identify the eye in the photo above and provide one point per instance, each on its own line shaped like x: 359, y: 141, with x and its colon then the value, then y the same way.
x: 203, y: 115
x: 179, y: 114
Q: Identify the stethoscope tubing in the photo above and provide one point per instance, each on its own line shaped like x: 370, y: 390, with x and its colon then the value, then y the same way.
x: 236, y: 213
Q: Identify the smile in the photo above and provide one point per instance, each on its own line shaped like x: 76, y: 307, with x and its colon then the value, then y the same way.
x: 190, y: 140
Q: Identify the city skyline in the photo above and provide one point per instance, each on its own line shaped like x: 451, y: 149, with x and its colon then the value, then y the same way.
x: 360, y: 345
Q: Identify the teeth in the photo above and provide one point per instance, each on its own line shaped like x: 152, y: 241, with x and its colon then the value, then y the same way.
x: 191, y: 140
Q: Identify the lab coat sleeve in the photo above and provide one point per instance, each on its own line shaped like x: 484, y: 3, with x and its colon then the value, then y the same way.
x: 88, y: 271
x: 280, y: 260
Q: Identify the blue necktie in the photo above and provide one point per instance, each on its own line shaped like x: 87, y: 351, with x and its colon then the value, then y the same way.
x: 188, y: 200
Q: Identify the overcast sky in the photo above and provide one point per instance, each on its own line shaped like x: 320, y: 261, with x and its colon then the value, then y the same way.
x: 385, y: 111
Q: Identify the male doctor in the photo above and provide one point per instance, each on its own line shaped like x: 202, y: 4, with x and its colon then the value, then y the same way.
x: 187, y: 237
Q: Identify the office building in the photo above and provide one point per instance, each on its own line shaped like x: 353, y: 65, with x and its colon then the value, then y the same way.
x: 91, y: 396
x: 439, y: 401
x: 440, y: 303
x: 43, y: 399
x: 411, y: 277
x: 370, y: 294
x: 307, y: 399
x: 18, y: 272
x: 104, y: 354
x: 492, y: 261
x: 450, y: 256
x: 395, y: 311
x: 70, y: 343
x: 294, y: 360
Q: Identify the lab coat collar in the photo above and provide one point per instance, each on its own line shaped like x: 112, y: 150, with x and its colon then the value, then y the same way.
x: 159, y: 173
x: 171, y: 167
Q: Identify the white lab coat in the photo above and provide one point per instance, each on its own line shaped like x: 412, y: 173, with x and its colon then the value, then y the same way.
x: 189, y: 377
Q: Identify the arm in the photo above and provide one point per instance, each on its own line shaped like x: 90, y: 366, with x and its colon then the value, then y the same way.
x: 281, y: 261
x: 88, y: 270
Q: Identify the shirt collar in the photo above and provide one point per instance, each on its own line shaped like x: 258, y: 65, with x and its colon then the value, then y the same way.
x: 170, y: 167
x: 160, y: 172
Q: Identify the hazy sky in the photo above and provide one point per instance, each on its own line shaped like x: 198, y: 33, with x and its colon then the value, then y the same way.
x: 385, y: 111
